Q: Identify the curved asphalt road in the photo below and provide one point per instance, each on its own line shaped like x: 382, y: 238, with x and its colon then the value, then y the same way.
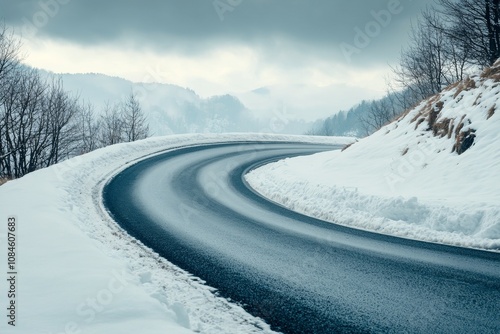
x: 300, y: 274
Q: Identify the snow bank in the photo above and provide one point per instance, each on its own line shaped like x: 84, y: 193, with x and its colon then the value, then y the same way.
x: 432, y: 175
x: 79, y: 272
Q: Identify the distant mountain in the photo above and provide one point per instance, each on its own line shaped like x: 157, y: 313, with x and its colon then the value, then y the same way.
x: 311, y: 102
x: 172, y: 109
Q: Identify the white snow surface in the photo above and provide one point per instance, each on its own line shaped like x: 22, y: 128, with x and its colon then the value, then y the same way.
x: 404, y: 180
x: 79, y: 272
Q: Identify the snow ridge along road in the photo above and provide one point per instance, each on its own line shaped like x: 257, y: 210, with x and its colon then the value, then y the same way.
x: 300, y: 274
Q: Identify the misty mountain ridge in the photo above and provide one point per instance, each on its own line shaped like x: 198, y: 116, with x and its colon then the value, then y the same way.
x: 172, y: 109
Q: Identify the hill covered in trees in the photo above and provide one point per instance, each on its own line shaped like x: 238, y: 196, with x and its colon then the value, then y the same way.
x: 364, y: 118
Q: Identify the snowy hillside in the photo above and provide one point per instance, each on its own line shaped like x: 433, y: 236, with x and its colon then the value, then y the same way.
x: 433, y: 174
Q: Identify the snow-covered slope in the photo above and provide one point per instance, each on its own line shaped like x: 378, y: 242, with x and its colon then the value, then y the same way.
x: 434, y: 174
x: 79, y: 272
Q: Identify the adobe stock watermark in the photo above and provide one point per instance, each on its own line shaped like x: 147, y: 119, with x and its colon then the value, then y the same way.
x: 48, y: 9
x: 278, y: 121
x: 224, y: 6
x: 365, y: 35
x: 89, y: 309
x: 409, y: 165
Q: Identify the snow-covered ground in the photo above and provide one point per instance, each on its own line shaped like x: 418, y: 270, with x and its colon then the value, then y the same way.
x: 79, y: 272
x: 407, y: 179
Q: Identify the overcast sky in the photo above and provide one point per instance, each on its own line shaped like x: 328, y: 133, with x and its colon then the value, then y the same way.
x: 218, y: 46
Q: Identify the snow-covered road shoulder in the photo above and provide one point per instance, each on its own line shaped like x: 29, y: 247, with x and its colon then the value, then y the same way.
x: 78, y: 272
x: 432, y: 175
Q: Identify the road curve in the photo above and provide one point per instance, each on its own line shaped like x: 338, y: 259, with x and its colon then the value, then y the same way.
x: 300, y: 274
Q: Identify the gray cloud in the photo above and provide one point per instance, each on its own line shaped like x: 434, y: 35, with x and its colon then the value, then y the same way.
x: 314, y: 28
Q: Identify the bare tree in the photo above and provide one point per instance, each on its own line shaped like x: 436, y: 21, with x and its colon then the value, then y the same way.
x: 61, y: 111
x: 380, y: 113
x: 9, y: 53
x: 9, y: 61
x: 112, y: 126
x: 38, y: 123
x: 89, y: 129
x: 473, y: 25
x: 25, y: 128
x: 135, y: 124
x: 432, y: 60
